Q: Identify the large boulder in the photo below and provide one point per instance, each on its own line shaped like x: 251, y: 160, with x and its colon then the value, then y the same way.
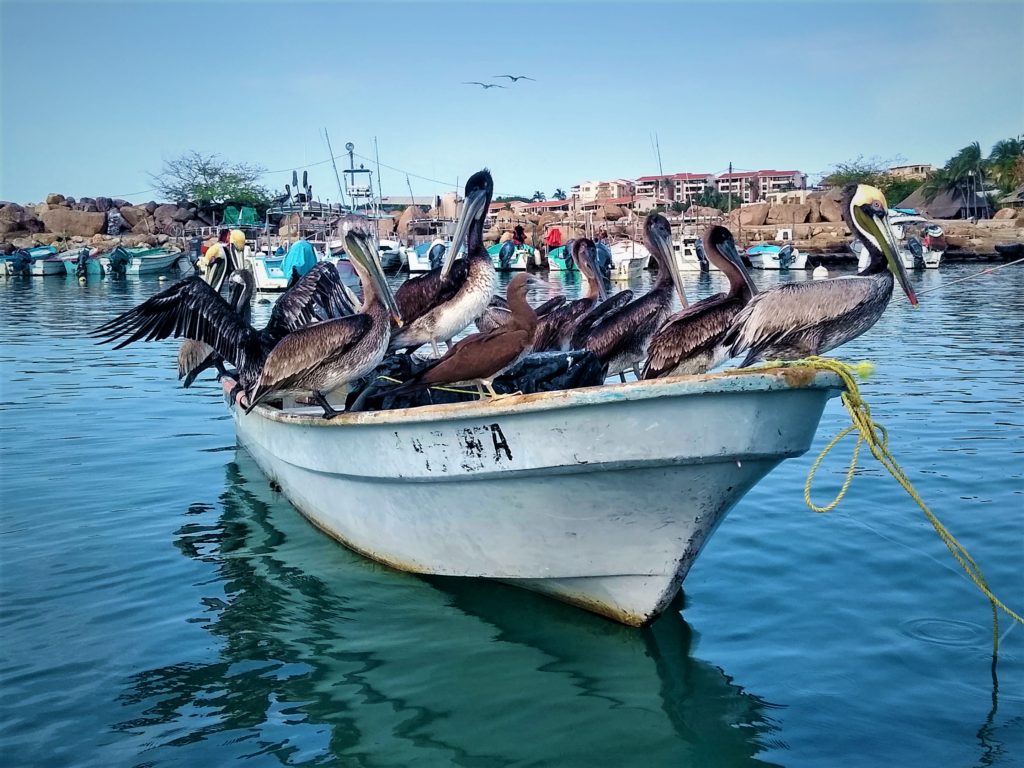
x: 1005, y: 213
x: 814, y: 217
x: 612, y: 213
x: 183, y: 214
x: 751, y: 215
x: 410, y: 213
x: 81, y: 223
x: 119, y: 203
x: 132, y: 215
x: 165, y: 211
x: 145, y: 226
x: 703, y: 211
x: 788, y: 213
x: 54, y: 199
x: 103, y: 204
x: 151, y: 207
x: 830, y: 207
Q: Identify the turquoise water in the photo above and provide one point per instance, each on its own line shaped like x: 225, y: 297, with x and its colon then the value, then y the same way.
x: 162, y: 606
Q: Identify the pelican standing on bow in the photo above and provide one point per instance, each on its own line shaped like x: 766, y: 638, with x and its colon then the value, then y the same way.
x: 690, y: 340
x: 795, y: 320
x: 621, y: 338
x: 483, y: 357
x: 438, y: 305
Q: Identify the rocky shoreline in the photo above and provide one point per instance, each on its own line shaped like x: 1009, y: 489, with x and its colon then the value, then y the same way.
x: 101, y: 222
x: 817, y: 224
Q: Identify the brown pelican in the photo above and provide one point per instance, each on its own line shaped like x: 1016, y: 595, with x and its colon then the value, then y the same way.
x: 325, y: 356
x: 191, y: 308
x: 438, y: 305
x: 690, y: 341
x: 555, y: 330
x: 483, y: 357
x: 498, y: 315
x: 194, y: 357
x: 795, y: 320
x: 620, y: 339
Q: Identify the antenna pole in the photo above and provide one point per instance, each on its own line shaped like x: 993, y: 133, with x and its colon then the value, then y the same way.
x: 337, y: 178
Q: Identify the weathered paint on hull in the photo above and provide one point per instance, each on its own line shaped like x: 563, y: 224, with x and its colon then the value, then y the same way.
x: 602, y: 497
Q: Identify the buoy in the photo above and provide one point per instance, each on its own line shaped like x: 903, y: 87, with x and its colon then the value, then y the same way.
x: 81, y: 280
x: 161, y: 278
x: 819, y: 273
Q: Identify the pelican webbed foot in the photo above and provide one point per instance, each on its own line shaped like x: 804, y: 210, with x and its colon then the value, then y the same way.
x: 329, y: 411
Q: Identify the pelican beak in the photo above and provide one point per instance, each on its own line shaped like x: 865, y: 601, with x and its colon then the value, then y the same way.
x: 889, y: 247
x: 363, y: 250
x: 474, y: 207
x: 661, y: 243
x: 728, y: 249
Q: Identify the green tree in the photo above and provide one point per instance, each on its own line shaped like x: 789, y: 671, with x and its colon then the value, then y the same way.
x: 1006, y: 164
x: 210, y: 181
x: 559, y: 194
x: 860, y: 170
x: 538, y: 197
x: 897, y: 190
x: 712, y: 198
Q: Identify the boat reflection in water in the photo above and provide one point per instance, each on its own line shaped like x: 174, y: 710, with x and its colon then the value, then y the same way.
x: 323, y: 654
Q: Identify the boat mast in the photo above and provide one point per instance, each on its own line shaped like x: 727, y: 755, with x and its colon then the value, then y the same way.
x: 337, y: 177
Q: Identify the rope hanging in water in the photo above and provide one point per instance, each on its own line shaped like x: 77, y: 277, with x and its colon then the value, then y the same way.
x: 877, y: 439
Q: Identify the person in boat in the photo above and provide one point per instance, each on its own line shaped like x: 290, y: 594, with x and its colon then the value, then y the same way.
x: 223, y: 257
x: 300, y: 259
x: 518, y: 235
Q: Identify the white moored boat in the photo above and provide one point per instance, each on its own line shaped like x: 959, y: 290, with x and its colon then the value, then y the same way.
x: 629, y: 259
x: 601, y: 497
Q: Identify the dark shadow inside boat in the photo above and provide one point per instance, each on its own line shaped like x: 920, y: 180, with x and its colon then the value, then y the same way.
x: 367, y: 663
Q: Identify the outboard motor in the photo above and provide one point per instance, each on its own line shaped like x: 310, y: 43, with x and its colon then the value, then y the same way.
x: 119, y: 260
x: 917, y: 250
x: 436, y: 255
x: 785, y: 256
x: 570, y: 265
x: 505, y: 255
x: 702, y: 257
x: 21, y: 262
x: 604, y: 262
x: 82, y: 263
x: 195, y: 249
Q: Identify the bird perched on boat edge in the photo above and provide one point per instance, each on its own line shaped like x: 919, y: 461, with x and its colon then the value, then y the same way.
x: 690, y: 341
x: 482, y: 357
x: 328, y: 355
x: 437, y: 305
x: 795, y: 320
x: 194, y: 310
x: 620, y: 339
x: 498, y: 315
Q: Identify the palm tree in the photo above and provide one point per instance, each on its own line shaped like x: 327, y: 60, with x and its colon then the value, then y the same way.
x: 559, y: 194
x: 1006, y: 163
x: 962, y: 176
x: 538, y: 196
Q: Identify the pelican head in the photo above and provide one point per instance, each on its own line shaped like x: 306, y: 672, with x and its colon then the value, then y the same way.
x: 584, y: 256
x: 242, y: 286
x: 867, y: 216
x: 361, y: 244
x: 479, y: 189
x: 721, y: 249
x: 658, y: 238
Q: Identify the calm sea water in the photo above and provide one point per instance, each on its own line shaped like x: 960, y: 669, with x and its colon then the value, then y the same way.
x: 162, y: 606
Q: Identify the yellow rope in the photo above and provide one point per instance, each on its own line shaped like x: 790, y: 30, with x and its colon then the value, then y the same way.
x: 439, y: 389
x: 877, y: 439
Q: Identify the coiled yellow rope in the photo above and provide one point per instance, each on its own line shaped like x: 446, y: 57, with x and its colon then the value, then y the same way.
x: 877, y: 439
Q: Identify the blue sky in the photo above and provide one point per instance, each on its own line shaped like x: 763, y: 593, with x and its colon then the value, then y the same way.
x: 96, y: 95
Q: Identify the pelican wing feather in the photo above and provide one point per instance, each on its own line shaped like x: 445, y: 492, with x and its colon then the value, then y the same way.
x: 418, y: 295
x: 317, y: 295
x: 692, y: 332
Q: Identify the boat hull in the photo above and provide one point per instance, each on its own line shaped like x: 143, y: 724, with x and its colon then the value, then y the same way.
x: 154, y: 263
x: 597, y: 497
x: 48, y: 267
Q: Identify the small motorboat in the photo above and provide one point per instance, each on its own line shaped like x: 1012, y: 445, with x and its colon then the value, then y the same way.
x: 479, y: 489
x: 267, y: 269
x: 83, y: 262
x: 427, y: 256
x: 1010, y: 251
x: 513, y: 258
x: 392, y: 256
x: 629, y: 259
x: 922, y: 243
x: 138, y: 262
x: 688, y: 253
x: 45, y: 262
x: 17, y: 264
x: 770, y: 256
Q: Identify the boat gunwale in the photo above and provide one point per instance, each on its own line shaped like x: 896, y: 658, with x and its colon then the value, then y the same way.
x: 771, y: 380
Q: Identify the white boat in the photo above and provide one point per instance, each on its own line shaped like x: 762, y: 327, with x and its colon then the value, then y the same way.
x: 392, y: 256
x: 629, y: 259
x: 419, y: 258
x: 267, y: 270
x: 46, y: 262
x: 688, y: 253
x: 921, y: 242
x: 521, y: 256
x: 483, y: 489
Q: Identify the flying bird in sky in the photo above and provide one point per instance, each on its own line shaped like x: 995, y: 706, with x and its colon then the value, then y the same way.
x: 483, y: 85
x: 515, y: 78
